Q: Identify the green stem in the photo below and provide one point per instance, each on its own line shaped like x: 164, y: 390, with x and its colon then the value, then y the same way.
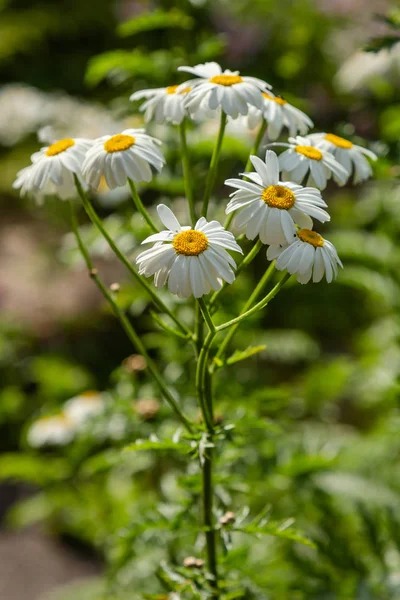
x: 252, y: 298
x: 245, y: 262
x: 209, y: 519
x: 262, y: 304
x: 204, y: 390
x: 186, y: 171
x: 212, y: 172
x: 97, y: 222
x: 253, y: 152
x: 128, y: 327
x: 140, y: 207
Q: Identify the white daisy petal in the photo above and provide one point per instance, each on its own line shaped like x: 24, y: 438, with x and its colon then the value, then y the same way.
x: 308, y: 256
x: 52, y: 170
x: 215, y: 89
x: 192, y: 261
x: 127, y: 155
x: 272, y: 209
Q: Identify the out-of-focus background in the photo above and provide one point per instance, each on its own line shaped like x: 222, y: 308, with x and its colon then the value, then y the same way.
x: 317, y: 412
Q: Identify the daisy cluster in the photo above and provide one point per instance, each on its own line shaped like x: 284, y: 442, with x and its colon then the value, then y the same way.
x: 276, y: 202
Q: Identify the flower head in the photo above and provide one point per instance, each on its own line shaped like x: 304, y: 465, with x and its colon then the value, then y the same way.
x: 163, y: 104
x: 271, y: 208
x: 84, y: 406
x: 228, y: 90
x: 55, y: 430
x: 53, y: 168
x: 129, y: 154
x: 304, y: 156
x: 279, y: 114
x: 349, y: 155
x: 194, y: 261
x: 308, y: 256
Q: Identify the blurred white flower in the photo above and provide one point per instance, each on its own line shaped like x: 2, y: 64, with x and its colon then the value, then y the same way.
x: 309, y: 256
x: 56, y: 430
x: 226, y: 90
x: 349, y: 155
x: 302, y: 157
x: 272, y: 207
x: 53, y: 168
x: 163, y: 104
x: 362, y: 68
x: 129, y: 154
x: 84, y: 406
x: 279, y: 114
x: 194, y: 261
x: 25, y: 110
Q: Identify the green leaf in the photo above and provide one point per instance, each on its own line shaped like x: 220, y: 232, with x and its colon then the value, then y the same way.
x: 239, y: 355
x: 120, y: 64
x: 39, y: 470
x: 282, y: 530
x: 158, y: 19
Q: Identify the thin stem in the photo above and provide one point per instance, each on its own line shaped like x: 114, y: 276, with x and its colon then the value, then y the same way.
x: 98, y: 223
x: 253, y: 152
x: 257, y: 144
x: 206, y: 315
x: 204, y: 402
x: 257, y: 306
x: 140, y: 207
x: 127, y: 325
x: 245, y: 262
x: 212, y: 172
x: 252, y: 298
x: 209, y: 519
x: 186, y: 171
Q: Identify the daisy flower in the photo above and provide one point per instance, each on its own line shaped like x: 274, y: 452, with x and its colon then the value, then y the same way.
x: 349, y: 155
x: 272, y: 207
x: 55, y: 430
x: 228, y: 90
x: 163, y: 104
x: 194, y: 261
x: 302, y: 157
x: 129, y: 154
x: 80, y: 408
x: 279, y: 114
x: 309, y: 256
x: 53, y: 168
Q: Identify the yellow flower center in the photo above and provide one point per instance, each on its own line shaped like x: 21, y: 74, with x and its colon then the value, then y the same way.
x: 59, y: 147
x: 278, y: 196
x: 90, y: 395
x: 311, y: 237
x: 276, y: 99
x: 338, y: 141
x: 190, y: 242
x: 226, y: 80
x: 172, y: 89
x: 119, y: 143
x: 309, y: 152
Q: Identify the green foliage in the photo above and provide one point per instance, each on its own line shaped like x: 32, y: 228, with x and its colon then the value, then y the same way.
x: 307, y: 411
x: 158, y: 19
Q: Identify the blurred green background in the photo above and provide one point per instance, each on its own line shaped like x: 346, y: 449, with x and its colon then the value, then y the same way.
x: 316, y: 413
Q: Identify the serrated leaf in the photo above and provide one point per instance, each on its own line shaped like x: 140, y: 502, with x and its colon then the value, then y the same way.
x: 158, y: 19
x: 239, y: 355
x: 282, y: 530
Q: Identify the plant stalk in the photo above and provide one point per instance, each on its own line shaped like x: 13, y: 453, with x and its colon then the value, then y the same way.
x: 127, y: 325
x: 212, y: 172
